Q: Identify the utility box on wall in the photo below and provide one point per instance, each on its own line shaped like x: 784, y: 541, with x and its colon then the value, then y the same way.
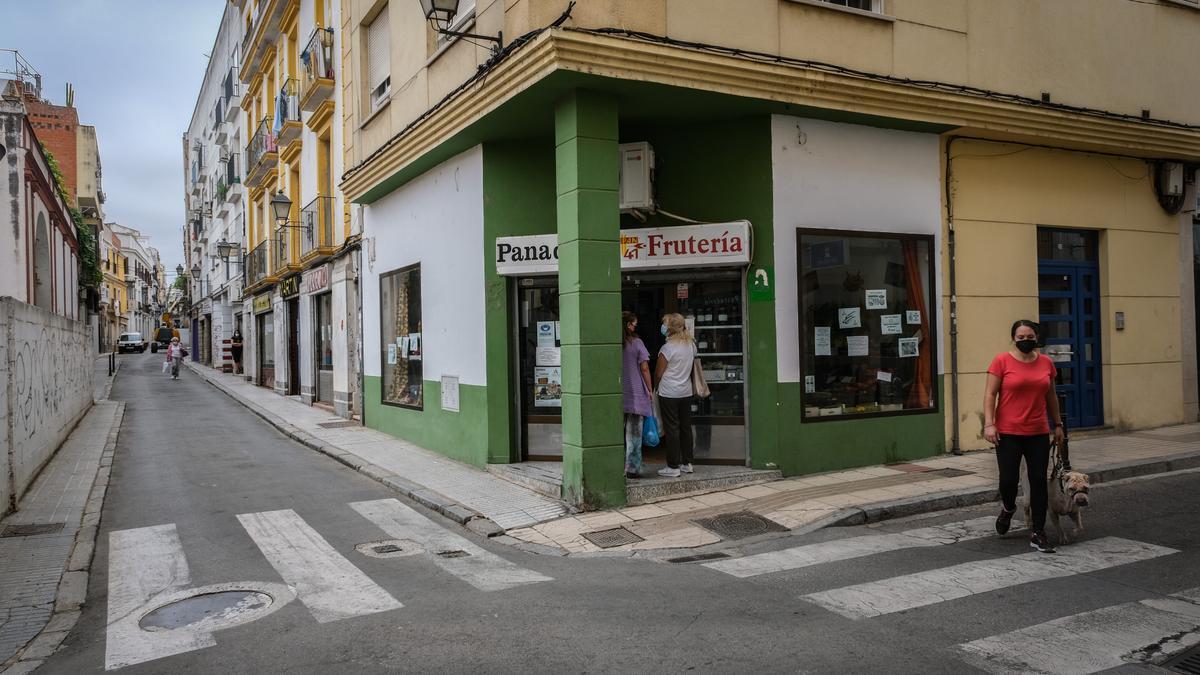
x: 637, y: 176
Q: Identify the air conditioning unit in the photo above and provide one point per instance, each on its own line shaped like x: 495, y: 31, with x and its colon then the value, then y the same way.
x: 637, y: 176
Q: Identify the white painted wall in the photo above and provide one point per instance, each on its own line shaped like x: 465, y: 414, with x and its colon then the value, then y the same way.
x: 45, y: 390
x: 436, y: 220
x: 835, y: 176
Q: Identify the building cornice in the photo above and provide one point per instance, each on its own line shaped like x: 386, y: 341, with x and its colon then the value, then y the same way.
x: 638, y: 60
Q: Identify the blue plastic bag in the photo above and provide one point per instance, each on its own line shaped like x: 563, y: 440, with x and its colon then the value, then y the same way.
x: 650, y: 432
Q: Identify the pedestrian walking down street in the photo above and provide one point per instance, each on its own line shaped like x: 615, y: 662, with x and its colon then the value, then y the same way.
x: 1019, y: 392
x: 635, y: 384
x: 673, y: 372
x: 235, y: 350
x: 175, y: 357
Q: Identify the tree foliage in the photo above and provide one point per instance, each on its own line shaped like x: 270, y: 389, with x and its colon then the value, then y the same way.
x: 89, y: 255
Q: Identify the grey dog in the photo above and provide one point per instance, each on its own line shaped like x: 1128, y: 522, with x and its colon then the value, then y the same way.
x: 1067, y: 496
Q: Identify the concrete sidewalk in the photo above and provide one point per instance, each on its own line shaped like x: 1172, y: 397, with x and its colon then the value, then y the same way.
x: 852, y: 497
x: 463, y: 493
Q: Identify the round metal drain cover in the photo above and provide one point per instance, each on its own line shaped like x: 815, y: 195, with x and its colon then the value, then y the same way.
x: 739, y: 525
x: 207, y: 607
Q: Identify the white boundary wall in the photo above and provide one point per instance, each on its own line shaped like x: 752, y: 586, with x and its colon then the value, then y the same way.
x: 46, y: 368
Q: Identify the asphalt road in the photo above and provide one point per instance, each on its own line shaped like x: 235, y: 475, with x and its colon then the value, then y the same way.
x: 190, y: 457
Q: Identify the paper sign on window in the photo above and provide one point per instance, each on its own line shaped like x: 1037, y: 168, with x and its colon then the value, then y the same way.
x: 821, y: 341
x: 908, y: 347
x: 876, y: 299
x: 857, y: 345
x: 849, y: 317
x: 913, y: 317
x: 889, y: 324
x: 810, y: 384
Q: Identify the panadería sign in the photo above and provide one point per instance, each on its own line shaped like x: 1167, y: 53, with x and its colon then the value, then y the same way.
x: 706, y: 245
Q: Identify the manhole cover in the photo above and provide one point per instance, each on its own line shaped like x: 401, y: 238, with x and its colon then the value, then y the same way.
x: 617, y: 536
x: 1186, y: 662
x: 31, y: 529
x: 340, y: 424
x: 739, y: 525
x: 209, y: 607
x: 951, y: 473
x: 452, y: 554
x: 389, y: 548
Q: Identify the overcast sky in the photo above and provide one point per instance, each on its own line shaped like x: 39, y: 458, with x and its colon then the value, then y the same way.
x: 136, y: 66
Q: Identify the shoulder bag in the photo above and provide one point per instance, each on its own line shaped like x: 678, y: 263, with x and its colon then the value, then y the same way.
x: 699, y: 384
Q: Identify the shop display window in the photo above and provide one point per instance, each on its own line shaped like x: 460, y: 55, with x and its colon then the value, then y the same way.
x: 867, y: 335
x: 401, y: 345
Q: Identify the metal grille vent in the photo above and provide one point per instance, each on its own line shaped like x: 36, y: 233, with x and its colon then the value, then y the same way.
x: 453, y: 554
x: 617, y: 536
x: 739, y: 525
x: 31, y: 529
x: 340, y: 424
x: 1186, y: 662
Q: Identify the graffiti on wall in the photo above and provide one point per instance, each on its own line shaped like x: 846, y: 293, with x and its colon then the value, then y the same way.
x: 49, y: 373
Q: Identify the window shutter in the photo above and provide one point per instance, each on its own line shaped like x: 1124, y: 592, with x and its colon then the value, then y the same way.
x: 378, y: 51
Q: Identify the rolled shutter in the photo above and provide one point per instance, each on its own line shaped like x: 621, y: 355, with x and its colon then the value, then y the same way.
x: 378, y: 51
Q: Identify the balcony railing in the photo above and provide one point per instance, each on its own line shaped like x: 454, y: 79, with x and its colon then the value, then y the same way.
x: 316, y: 221
x: 317, y: 76
x: 287, y: 113
x: 280, y: 258
x: 256, y: 264
x: 261, y: 151
x: 231, y: 90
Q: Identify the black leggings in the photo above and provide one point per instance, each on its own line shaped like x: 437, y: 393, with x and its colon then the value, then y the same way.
x: 677, y: 420
x: 1036, y: 451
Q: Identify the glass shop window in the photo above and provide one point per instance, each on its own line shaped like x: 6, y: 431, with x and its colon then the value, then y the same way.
x: 868, y: 338
x: 401, y: 343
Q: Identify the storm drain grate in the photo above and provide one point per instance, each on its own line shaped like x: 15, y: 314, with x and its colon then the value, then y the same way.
x: 340, y: 424
x: 699, y: 557
x: 617, y: 536
x: 951, y: 473
x: 1186, y: 662
x: 739, y: 525
x: 453, y: 554
x: 31, y: 529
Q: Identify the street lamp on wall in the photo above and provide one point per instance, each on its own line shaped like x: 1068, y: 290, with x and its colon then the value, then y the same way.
x: 281, y: 208
x: 440, y: 14
x: 227, y: 250
x: 179, y: 270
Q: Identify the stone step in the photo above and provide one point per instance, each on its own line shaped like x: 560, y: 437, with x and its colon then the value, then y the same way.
x: 544, y: 478
x: 705, y: 479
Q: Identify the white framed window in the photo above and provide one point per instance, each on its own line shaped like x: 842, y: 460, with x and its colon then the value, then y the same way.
x: 1189, y: 3
x: 379, y: 81
x: 461, y: 21
x: 875, y: 6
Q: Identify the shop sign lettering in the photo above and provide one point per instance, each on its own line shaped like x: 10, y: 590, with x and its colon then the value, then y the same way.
x: 704, y: 245
x: 262, y: 303
x: 316, y: 279
x: 289, y: 287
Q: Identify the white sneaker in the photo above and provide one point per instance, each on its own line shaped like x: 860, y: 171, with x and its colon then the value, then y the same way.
x: 668, y: 472
x: 685, y: 468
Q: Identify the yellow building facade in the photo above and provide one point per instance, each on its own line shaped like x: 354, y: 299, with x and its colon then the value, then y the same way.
x: 1046, y: 163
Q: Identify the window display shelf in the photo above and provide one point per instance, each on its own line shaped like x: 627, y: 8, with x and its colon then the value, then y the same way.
x: 717, y: 326
x: 703, y: 354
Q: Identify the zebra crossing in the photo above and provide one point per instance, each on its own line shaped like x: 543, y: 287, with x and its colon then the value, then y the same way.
x: 148, y: 570
x: 1087, y: 642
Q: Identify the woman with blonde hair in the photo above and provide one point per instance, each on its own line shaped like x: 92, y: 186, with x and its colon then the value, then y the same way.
x: 673, y: 372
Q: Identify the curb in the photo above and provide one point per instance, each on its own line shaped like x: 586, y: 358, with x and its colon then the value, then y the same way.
x: 72, y: 586
x: 416, y: 492
x: 941, y: 501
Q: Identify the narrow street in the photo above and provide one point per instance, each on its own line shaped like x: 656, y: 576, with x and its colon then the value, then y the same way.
x: 204, y: 493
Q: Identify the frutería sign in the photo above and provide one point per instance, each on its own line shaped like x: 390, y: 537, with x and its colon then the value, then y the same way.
x: 706, y: 245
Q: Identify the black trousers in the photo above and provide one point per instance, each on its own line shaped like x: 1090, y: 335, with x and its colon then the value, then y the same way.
x: 677, y: 423
x: 1036, y: 451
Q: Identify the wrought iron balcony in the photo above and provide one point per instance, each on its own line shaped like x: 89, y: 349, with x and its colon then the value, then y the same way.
x: 316, y: 235
x: 231, y: 91
x: 317, y: 76
x: 262, y: 152
x: 256, y: 265
x: 287, y: 113
x: 281, y: 257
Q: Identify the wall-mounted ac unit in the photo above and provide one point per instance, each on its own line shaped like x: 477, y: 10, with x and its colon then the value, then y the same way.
x: 637, y: 176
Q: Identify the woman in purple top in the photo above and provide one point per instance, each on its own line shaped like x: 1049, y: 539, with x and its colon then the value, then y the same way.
x: 635, y: 379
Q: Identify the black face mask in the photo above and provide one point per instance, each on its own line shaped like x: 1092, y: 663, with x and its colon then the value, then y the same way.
x: 1026, y: 346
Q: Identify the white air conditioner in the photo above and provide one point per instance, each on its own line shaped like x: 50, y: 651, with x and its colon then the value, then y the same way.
x: 637, y: 176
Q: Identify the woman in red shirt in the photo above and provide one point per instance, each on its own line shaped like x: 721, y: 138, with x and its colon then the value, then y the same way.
x: 1020, y: 391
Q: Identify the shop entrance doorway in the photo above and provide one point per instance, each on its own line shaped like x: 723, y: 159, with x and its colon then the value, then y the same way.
x: 265, y: 340
x: 1069, y: 314
x: 293, y: 345
x: 711, y: 301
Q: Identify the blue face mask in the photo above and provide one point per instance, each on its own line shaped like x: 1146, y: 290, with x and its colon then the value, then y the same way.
x: 664, y: 329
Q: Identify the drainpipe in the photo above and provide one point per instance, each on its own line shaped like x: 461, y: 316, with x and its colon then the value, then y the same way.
x: 955, y: 446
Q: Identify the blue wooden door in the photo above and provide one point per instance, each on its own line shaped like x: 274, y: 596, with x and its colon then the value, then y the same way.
x: 1069, y: 308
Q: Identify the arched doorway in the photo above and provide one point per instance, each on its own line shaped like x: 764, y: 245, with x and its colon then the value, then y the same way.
x: 43, y: 289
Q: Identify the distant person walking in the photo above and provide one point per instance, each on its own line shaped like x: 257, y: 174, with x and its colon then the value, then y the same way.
x: 635, y: 383
x: 175, y: 357
x: 673, y: 372
x: 1019, y: 392
x: 235, y: 349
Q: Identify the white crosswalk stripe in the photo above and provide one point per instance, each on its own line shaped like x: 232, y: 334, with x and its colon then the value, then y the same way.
x: 1092, y: 641
x: 328, y: 584
x: 930, y: 587
x: 480, y: 568
x: 855, y: 547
